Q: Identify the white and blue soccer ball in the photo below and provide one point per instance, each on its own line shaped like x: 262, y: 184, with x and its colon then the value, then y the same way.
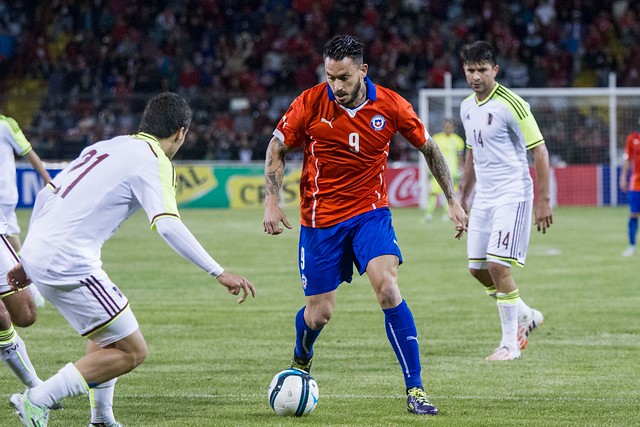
x: 293, y: 392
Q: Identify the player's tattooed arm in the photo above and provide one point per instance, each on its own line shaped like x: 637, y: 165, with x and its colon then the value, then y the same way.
x: 438, y: 167
x: 274, y: 167
x: 273, y: 177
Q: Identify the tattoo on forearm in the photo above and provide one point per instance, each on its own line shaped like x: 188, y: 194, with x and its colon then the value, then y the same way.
x: 274, y: 167
x: 438, y: 167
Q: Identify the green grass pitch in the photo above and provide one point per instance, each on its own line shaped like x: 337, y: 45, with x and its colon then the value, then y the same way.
x: 211, y: 359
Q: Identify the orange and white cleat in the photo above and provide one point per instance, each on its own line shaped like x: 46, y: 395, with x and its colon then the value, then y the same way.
x: 526, y: 325
x: 503, y: 353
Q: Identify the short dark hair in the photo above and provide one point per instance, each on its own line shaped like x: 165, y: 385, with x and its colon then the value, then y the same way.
x: 477, y: 53
x: 344, y: 46
x: 165, y: 114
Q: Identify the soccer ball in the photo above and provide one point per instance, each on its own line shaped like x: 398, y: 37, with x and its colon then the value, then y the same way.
x: 293, y: 392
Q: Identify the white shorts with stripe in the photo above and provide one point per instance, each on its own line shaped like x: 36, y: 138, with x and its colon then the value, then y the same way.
x: 499, y: 234
x: 8, y: 259
x: 93, y: 306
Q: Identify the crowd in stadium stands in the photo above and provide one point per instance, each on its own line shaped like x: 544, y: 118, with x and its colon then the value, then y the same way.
x: 240, y: 62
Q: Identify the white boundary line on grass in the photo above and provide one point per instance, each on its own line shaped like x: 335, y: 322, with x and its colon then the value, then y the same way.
x: 364, y: 396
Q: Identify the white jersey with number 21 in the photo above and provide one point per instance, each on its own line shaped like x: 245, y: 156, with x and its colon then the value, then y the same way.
x: 88, y: 201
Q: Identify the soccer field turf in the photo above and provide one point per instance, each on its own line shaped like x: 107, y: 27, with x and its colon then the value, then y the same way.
x: 211, y: 359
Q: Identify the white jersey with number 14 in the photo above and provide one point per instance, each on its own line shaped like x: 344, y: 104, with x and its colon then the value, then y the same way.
x: 500, y: 130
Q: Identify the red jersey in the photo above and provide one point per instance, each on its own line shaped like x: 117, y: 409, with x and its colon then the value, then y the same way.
x: 632, y: 152
x: 345, y: 150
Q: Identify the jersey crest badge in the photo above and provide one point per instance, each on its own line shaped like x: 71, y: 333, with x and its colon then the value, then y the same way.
x: 378, y: 122
x: 490, y: 119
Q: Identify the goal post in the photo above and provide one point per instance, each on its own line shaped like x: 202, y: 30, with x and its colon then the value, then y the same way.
x: 584, y: 130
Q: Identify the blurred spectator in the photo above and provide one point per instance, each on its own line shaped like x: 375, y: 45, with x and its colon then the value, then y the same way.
x: 245, y: 147
x: 545, y: 12
x: 516, y: 72
x: 243, y: 121
x: 189, y: 79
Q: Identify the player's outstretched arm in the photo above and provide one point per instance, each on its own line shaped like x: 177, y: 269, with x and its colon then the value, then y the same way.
x: 236, y: 284
x: 178, y: 236
x: 542, y: 208
x: 273, y: 177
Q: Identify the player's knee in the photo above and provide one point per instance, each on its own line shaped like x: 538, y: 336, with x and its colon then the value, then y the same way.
x: 136, y: 352
x: 25, y: 322
x: 139, y: 355
x: 25, y: 317
x: 19, y: 309
x: 389, y: 296
x: 319, y: 323
x: 316, y: 319
x: 499, y: 272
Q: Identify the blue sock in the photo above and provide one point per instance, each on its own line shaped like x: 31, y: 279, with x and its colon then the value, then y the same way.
x: 403, y: 336
x: 633, y: 230
x: 305, y: 337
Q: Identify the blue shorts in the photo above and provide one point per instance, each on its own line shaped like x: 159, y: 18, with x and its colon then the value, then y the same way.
x: 326, y: 255
x: 634, y: 201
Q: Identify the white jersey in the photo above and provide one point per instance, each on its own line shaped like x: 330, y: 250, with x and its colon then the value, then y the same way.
x: 12, y: 142
x: 500, y: 130
x: 86, y: 203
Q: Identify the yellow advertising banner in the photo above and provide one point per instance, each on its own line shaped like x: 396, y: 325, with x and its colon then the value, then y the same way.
x: 194, y: 181
x: 201, y: 185
x: 248, y: 191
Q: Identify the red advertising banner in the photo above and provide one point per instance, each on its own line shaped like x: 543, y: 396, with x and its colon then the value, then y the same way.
x: 402, y: 186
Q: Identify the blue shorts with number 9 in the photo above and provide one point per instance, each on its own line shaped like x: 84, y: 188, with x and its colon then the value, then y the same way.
x: 327, y: 255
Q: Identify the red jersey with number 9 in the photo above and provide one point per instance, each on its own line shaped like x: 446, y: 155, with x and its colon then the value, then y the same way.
x: 632, y: 152
x: 345, y: 150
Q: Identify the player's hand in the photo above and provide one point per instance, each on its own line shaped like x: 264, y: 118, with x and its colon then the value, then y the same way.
x: 236, y: 284
x: 17, y: 278
x: 273, y: 216
x: 544, y: 216
x: 458, y: 216
x: 624, y: 185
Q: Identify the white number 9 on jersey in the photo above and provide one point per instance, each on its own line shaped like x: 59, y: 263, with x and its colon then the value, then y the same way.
x: 354, y: 142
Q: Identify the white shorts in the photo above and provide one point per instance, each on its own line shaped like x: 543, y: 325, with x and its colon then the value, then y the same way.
x: 94, y: 307
x: 9, y: 211
x: 499, y: 234
x: 8, y: 259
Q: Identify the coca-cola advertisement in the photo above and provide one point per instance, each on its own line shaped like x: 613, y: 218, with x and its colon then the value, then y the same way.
x: 403, y: 186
